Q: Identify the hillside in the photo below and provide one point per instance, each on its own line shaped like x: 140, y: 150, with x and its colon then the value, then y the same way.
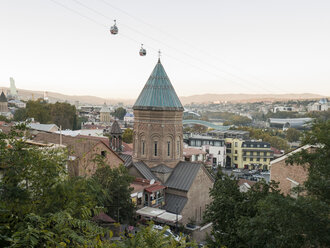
x: 203, y: 98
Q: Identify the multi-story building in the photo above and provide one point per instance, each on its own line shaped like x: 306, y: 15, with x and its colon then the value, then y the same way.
x: 250, y: 154
x: 213, y: 146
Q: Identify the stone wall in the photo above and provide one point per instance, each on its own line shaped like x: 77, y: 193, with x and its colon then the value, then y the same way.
x: 198, y: 197
x: 284, y: 174
x: 163, y: 127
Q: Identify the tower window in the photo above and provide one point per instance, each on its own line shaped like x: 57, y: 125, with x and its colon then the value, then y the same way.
x: 178, y: 147
x: 168, y: 148
x: 103, y: 153
x: 143, y: 147
x: 156, y: 146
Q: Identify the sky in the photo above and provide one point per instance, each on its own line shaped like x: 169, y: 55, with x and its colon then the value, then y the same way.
x: 207, y: 46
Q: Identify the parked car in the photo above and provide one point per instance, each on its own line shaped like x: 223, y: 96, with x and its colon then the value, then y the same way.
x: 167, y: 233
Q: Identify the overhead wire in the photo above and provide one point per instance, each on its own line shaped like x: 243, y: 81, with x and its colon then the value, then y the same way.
x: 135, y: 41
x: 189, y: 44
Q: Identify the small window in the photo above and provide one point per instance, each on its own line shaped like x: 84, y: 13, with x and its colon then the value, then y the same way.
x: 219, y: 152
x: 251, y: 159
x: 155, y: 148
x: 244, y: 159
x: 168, y: 148
x: 143, y: 147
x: 258, y: 159
x: 235, y: 157
x: 236, y: 144
x: 178, y: 147
x: 103, y: 153
x: 235, y: 151
x: 265, y: 159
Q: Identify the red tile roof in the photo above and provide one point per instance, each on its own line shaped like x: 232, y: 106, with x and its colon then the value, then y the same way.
x: 154, y: 188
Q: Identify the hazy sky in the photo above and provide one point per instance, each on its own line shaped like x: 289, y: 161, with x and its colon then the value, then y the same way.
x: 218, y: 46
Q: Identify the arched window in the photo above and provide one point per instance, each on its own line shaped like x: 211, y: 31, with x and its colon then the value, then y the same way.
x: 168, y: 148
x: 155, y: 148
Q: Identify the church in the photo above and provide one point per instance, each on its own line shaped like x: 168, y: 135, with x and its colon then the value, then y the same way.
x: 158, y: 150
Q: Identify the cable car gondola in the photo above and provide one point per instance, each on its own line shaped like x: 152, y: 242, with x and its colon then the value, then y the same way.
x: 143, y: 51
x: 114, y: 29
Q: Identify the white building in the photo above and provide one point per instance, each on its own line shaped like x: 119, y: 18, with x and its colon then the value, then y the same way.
x: 129, y: 117
x: 322, y: 105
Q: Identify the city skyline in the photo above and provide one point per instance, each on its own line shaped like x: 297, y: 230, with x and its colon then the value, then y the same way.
x: 210, y: 47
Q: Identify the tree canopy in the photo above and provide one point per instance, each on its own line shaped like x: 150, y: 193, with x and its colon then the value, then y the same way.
x: 119, y: 113
x: 62, y: 114
x: 263, y: 217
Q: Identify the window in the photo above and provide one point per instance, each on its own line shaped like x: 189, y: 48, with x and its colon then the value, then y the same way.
x: 265, y: 159
x: 178, y: 147
x: 251, y: 159
x: 258, y: 153
x: 244, y: 159
x: 103, y: 153
x: 235, y: 151
x: 168, y: 148
x: 143, y: 147
x: 244, y: 153
x: 236, y: 144
x: 265, y: 153
x: 235, y: 158
x: 219, y: 152
x: 258, y: 159
x: 155, y: 148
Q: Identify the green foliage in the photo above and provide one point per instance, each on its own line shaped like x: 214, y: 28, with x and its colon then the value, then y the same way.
x: 292, y: 135
x: 3, y: 118
x: 317, y: 161
x: 229, y: 118
x: 62, y: 114
x: 119, y: 113
x: 111, y: 187
x: 148, y: 237
x: 128, y: 135
x: 263, y: 217
x: 40, y: 206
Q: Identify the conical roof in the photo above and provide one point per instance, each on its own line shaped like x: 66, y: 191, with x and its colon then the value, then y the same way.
x: 3, y: 98
x: 115, y: 129
x: 158, y: 93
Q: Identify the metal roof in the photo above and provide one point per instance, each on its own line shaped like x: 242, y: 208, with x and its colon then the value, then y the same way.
x: 115, y: 129
x: 158, y: 93
x: 161, y: 168
x: 3, y: 98
x: 42, y: 127
x: 127, y: 158
x: 174, y: 203
x: 183, y: 176
x: 144, y: 170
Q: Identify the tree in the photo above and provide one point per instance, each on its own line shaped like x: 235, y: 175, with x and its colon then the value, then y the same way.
x: 40, y: 206
x: 128, y: 135
x: 20, y: 114
x: 112, y: 190
x: 148, y: 237
x: 292, y: 135
x: 119, y: 113
x: 263, y: 217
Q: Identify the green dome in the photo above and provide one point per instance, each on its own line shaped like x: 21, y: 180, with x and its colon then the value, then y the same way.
x: 158, y: 93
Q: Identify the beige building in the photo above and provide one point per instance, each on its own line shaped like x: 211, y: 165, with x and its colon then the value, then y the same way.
x: 82, y: 151
x: 105, y: 114
x: 3, y: 103
x: 248, y: 154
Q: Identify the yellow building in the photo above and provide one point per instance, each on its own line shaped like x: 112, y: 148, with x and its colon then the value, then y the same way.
x: 248, y: 154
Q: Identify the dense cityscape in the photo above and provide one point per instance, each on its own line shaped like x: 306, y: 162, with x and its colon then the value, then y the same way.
x: 218, y: 156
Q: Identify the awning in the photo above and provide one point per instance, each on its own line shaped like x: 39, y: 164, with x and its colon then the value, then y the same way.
x: 159, y: 214
x: 169, y: 217
x: 150, y: 212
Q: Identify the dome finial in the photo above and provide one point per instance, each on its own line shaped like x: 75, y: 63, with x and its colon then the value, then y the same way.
x: 159, y: 54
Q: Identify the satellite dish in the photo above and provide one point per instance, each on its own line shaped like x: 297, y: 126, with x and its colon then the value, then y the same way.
x: 152, y: 181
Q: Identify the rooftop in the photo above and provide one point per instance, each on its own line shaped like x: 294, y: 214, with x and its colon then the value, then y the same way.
x: 158, y: 93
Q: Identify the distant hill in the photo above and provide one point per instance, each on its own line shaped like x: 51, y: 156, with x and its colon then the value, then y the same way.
x: 209, y: 98
x: 203, y: 98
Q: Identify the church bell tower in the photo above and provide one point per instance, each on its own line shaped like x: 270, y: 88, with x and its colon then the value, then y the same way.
x: 158, y: 134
